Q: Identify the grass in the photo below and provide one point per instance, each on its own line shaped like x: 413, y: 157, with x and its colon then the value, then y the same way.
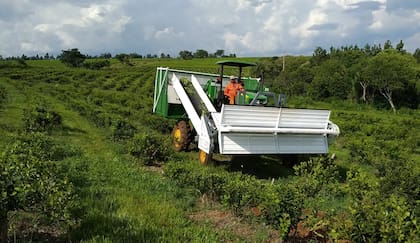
x: 119, y: 200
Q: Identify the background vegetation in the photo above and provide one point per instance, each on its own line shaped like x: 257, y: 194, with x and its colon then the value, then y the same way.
x: 76, y: 138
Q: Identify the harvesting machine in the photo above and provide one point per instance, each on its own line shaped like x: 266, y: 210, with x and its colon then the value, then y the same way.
x: 258, y: 123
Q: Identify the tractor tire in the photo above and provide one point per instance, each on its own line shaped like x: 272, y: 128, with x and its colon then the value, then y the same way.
x: 204, y: 158
x: 181, y: 135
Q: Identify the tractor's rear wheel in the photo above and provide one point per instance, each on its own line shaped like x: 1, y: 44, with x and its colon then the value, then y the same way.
x: 204, y: 158
x: 181, y: 135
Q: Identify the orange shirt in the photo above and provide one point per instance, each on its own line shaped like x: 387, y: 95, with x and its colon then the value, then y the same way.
x: 230, y: 91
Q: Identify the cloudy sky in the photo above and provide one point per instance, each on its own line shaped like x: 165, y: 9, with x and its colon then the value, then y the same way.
x: 244, y: 27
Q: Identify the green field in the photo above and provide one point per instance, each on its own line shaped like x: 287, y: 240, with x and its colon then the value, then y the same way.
x: 367, y: 192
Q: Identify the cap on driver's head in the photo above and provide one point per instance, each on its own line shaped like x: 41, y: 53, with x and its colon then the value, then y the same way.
x: 232, y: 77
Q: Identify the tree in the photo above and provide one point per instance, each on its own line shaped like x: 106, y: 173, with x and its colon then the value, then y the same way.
x: 186, y: 55
x: 389, y: 71
x: 124, y: 59
x: 360, y: 77
x: 416, y: 55
x: 331, y: 79
x: 387, y: 45
x: 400, y: 47
x: 319, y: 56
x: 200, y: 53
x: 135, y: 55
x: 219, y: 53
x: 72, y: 57
x: 105, y: 55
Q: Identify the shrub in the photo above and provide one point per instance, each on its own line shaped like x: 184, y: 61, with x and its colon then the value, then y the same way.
x: 204, y: 179
x: 279, y: 204
x: 40, y: 119
x: 315, y: 175
x: 376, y: 217
x: 3, y: 95
x: 97, y: 64
x: 150, y: 148
x: 242, y: 191
x: 122, y: 130
x: 31, y: 181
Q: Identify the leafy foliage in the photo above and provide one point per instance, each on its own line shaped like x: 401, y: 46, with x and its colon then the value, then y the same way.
x: 150, y: 148
x: 97, y: 64
x: 370, y: 74
x: 3, y: 95
x: 41, y: 119
x: 376, y: 217
x: 278, y: 203
x: 72, y: 57
x: 30, y: 179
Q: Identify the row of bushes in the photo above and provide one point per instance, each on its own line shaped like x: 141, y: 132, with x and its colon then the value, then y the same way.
x: 371, y: 214
x: 277, y: 203
x: 31, y: 179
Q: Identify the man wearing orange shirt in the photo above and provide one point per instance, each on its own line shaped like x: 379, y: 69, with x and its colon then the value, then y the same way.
x: 231, y: 89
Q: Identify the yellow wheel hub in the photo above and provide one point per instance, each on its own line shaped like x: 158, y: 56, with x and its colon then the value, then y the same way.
x: 203, y: 157
x: 181, y: 136
x: 177, y: 138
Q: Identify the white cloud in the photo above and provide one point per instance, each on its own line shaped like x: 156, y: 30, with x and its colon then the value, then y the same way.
x: 246, y: 27
x: 168, y: 32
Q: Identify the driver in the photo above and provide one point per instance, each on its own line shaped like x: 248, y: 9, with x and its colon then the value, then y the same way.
x: 231, y: 89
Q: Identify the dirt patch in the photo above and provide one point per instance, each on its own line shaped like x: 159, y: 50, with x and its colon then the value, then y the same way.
x: 211, y: 212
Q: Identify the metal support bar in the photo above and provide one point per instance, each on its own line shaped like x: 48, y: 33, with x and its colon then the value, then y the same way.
x: 277, y: 130
x: 186, y: 102
x: 161, y: 83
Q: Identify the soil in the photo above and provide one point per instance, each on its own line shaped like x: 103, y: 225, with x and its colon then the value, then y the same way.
x: 210, y: 211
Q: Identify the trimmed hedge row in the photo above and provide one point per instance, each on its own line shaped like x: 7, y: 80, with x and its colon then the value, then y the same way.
x: 278, y: 204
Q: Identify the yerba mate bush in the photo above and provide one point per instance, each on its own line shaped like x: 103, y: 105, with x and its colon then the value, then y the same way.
x: 31, y: 181
x: 150, y: 148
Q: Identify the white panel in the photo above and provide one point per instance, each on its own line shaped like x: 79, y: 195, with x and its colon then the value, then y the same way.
x: 204, y: 141
x: 257, y: 116
x: 245, y: 143
x: 172, y: 96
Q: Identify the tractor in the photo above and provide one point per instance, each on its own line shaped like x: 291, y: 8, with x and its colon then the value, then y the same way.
x: 258, y: 123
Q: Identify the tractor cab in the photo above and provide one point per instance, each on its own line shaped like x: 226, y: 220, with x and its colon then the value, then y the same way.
x: 255, y: 93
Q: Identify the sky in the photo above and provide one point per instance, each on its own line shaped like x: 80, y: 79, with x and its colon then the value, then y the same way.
x: 243, y: 27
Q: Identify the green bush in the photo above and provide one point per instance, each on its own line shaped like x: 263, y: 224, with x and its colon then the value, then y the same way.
x: 3, y: 95
x: 242, y: 192
x: 43, y: 147
x: 315, y: 175
x: 30, y: 181
x: 122, y: 130
x: 41, y: 119
x: 280, y: 203
x: 377, y: 217
x: 149, y: 148
x: 97, y: 64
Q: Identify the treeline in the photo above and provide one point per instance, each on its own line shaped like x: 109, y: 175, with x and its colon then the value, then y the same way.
x: 105, y: 55
x: 184, y: 54
x: 382, y: 76
x: 200, y: 53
